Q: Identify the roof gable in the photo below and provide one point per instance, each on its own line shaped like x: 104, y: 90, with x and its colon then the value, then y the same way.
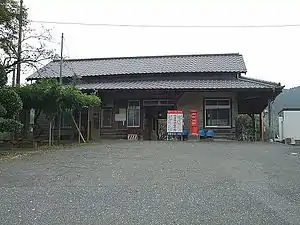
x: 145, y: 65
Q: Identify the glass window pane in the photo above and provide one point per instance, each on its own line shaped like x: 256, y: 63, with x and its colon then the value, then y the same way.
x: 133, y: 104
x: 211, y: 102
x: 223, y: 117
x: 130, y: 121
x: 137, y: 117
x: 211, y: 117
x: 133, y: 113
x: 217, y: 117
x: 223, y: 102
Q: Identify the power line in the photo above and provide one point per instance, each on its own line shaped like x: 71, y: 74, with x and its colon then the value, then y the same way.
x: 164, y: 26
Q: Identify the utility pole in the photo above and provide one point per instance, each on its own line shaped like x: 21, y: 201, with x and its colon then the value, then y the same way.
x: 13, y: 83
x: 61, y: 58
x: 60, y: 82
x: 18, y: 78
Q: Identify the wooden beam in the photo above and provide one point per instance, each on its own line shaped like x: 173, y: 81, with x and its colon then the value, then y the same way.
x: 88, y: 124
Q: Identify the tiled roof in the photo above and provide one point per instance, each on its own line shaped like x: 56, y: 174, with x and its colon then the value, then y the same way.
x: 144, y: 65
x: 242, y: 83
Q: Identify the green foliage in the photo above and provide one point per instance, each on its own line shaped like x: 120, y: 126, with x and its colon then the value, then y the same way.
x: 11, y: 102
x: 91, y: 100
x: 48, y: 96
x: 9, y: 26
x: 10, y: 105
x: 3, y: 76
x: 34, y: 41
x: 9, y: 13
x: 72, y: 98
x: 10, y: 125
x: 44, y: 95
x: 243, y: 126
x: 3, y: 111
x: 245, y: 129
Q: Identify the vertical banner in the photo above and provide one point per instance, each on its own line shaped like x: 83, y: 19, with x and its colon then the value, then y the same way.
x: 193, y: 122
x: 175, y: 122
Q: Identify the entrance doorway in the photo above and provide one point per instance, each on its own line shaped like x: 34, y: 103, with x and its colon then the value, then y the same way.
x: 95, y: 115
x: 155, y: 120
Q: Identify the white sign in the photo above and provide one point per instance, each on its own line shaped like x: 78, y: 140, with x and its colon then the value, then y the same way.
x: 31, y: 117
x: 175, y: 122
x: 120, y: 117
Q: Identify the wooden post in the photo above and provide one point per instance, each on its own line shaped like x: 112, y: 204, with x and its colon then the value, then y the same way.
x: 270, y: 132
x: 88, y: 125
x: 253, y: 130
x: 50, y: 133
x: 79, y: 126
x: 261, y: 122
x: 80, y: 134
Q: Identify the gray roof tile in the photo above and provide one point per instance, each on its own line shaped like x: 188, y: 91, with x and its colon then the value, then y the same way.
x: 179, y: 84
x: 144, y: 65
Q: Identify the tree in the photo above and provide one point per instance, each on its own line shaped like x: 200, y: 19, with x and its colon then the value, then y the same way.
x: 34, y: 49
x: 43, y: 95
x: 9, y: 27
x: 47, y: 96
x: 243, y: 127
x: 74, y: 99
x: 10, y: 106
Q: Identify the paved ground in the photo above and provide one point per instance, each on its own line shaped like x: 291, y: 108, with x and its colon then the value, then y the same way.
x: 153, y: 183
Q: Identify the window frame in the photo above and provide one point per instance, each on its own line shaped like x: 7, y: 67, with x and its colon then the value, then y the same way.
x: 128, y: 109
x: 229, y: 106
x: 102, y: 117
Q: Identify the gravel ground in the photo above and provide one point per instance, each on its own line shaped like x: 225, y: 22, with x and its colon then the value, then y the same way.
x: 127, y: 182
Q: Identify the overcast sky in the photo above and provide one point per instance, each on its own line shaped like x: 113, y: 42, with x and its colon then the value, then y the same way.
x: 270, y: 53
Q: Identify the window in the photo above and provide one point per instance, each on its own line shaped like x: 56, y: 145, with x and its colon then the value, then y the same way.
x: 133, y: 113
x: 106, y: 117
x: 217, y: 113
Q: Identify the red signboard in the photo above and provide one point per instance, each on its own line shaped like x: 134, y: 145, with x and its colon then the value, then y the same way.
x: 193, y: 122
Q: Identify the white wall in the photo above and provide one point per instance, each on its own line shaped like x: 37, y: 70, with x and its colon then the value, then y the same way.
x: 291, y: 124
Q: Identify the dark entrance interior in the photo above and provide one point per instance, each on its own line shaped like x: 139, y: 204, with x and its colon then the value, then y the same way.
x: 154, y: 116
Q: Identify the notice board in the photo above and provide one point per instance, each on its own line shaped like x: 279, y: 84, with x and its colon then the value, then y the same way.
x: 175, y: 122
